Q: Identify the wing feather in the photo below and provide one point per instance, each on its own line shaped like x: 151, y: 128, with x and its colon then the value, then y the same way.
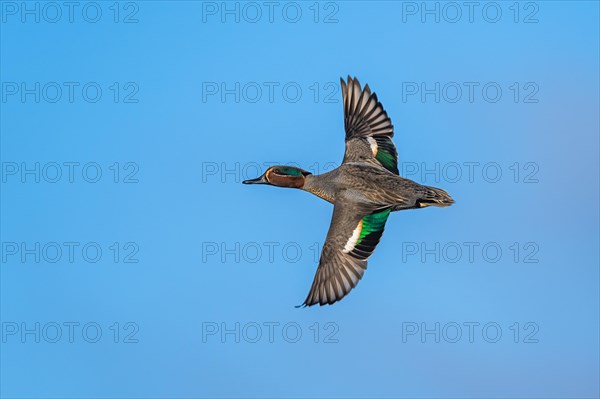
x: 364, y: 119
x: 340, y: 269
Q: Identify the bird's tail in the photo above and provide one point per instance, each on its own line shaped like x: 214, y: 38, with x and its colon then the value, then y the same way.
x: 434, y: 197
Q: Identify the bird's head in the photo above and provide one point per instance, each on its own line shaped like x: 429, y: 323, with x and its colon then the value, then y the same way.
x: 281, y: 176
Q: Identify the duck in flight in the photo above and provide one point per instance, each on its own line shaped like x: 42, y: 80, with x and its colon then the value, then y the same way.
x: 364, y: 190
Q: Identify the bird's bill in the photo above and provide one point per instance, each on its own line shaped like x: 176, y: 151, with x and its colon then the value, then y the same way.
x: 258, y: 180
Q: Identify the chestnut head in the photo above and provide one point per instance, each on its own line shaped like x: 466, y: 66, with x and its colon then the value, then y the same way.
x: 281, y: 176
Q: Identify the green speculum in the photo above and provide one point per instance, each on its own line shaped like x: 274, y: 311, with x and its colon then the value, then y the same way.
x: 372, y: 223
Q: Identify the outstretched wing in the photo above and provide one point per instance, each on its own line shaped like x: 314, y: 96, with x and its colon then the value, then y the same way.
x: 369, y: 130
x: 352, y: 238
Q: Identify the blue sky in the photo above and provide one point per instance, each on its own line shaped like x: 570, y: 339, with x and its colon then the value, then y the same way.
x: 134, y: 263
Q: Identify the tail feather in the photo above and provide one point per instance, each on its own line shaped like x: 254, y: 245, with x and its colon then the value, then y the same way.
x: 434, y: 197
